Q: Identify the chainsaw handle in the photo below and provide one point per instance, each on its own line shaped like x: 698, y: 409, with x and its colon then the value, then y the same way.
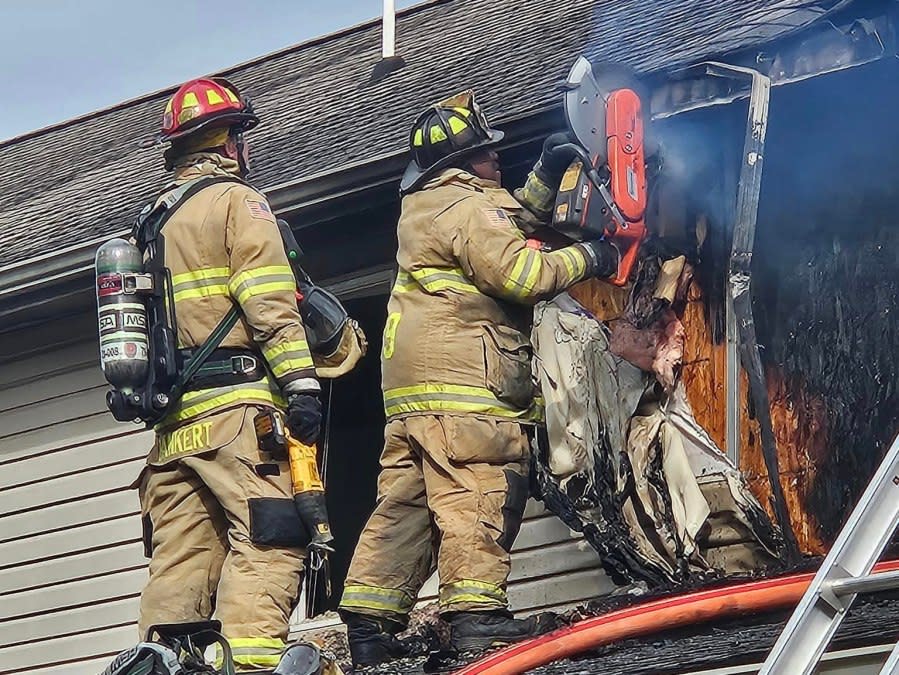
x: 578, y: 151
x: 593, y: 175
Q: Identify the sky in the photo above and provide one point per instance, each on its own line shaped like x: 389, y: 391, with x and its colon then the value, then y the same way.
x: 63, y: 58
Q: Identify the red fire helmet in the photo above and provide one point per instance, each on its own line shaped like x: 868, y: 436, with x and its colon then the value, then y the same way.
x: 206, y: 103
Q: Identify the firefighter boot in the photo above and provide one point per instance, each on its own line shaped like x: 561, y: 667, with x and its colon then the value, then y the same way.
x: 372, y: 639
x: 476, y: 631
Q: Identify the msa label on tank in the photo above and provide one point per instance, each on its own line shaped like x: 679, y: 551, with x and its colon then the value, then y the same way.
x: 133, y: 320
x: 115, y: 317
x: 123, y: 351
x: 108, y: 323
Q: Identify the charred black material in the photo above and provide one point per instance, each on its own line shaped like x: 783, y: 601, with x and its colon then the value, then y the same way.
x: 827, y: 270
x: 729, y: 643
x: 605, y: 530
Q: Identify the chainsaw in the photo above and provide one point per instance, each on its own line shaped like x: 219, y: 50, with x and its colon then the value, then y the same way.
x: 603, y: 193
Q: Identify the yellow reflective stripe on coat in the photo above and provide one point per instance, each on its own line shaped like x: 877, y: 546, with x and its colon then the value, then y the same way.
x: 574, y: 260
x: 404, y: 282
x: 435, y: 397
x: 201, y: 283
x: 525, y: 273
x: 474, y: 592
x: 195, y: 403
x: 261, y: 280
x: 288, y: 357
x: 433, y: 280
x: 376, y: 599
x: 254, y: 652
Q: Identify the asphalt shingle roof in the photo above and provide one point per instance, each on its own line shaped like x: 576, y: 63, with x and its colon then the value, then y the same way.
x: 86, y: 178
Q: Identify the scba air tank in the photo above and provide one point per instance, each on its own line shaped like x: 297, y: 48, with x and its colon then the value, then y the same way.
x: 122, y: 315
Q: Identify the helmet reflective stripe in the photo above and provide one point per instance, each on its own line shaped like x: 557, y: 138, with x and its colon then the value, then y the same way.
x: 456, y: 125
x: 213, y: 97
x: 437, y: 134
x: 446, y: 131
x: 441, y: 132
x: 206, y: 103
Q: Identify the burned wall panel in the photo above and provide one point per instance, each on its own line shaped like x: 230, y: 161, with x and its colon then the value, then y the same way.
x: 825, y: 276
x: 826, y: 281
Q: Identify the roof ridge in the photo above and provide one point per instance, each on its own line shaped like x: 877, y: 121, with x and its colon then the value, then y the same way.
x: 310, y: 42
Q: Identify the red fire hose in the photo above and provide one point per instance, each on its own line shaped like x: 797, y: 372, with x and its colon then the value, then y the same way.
x: 651, y: 617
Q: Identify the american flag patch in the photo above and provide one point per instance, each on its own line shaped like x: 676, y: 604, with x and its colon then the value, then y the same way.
x: 497, y: 217
x: 260, y: 209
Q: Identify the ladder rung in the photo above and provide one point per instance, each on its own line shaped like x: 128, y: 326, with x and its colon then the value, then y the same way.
x: 871, y: 583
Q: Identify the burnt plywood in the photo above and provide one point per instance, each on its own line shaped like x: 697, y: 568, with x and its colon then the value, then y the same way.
x: 797, y: 426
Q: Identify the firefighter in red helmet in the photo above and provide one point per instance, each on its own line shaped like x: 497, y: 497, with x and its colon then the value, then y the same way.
x: 205, y: 114
x: 220, y: 523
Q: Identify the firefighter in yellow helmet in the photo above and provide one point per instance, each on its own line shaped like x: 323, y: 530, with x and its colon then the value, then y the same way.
x: 220, y: 524
x: 457, y: 385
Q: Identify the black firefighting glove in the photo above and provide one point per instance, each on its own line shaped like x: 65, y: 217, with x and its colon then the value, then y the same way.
x: 304, y: 418
x: 602, y: 257
x: 554, y: 159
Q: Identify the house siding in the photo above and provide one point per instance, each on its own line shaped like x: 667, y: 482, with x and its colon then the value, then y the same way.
x: 71, y: 559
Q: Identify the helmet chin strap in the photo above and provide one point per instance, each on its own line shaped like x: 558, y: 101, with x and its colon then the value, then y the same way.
x: 241, y: 162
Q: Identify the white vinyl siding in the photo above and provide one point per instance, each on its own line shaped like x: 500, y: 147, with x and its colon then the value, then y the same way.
x: 71, y: 559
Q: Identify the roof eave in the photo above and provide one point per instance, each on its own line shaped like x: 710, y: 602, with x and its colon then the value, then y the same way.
x: 292, y: 200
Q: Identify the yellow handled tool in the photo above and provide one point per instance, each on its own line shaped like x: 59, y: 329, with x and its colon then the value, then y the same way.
x: 304, y: 475
x: 308, y: 489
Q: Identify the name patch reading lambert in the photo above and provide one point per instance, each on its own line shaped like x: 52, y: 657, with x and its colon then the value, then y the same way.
x: 192, y: 438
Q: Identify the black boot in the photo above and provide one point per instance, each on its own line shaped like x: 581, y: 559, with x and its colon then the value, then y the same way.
x: 471, y: 631
x: 373, y: 639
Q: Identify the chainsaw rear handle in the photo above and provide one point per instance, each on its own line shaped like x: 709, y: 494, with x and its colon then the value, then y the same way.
x: 593, y: 175
x: 628, y: 246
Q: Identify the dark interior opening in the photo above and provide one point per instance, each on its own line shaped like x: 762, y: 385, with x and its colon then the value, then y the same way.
x: 356, y: 433
x: 826, y: 272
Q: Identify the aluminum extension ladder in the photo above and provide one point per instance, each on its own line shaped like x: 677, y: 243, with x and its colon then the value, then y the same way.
x: 845, y: 572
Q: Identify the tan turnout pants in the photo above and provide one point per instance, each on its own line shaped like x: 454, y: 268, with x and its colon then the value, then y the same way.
x: 224, y: 537
x: 456, y: 485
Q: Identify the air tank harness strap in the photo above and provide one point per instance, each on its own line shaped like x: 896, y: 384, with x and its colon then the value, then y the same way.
x: 226, y: 367
x: 199, y: 357
x: 149, y: 223
x: 147, y: 231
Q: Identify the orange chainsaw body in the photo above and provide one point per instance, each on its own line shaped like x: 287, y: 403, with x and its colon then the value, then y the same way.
x: 627, y: 176
x: 582, y: 212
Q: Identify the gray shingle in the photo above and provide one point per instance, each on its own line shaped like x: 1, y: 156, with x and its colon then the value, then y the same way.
x: 87, y: 178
